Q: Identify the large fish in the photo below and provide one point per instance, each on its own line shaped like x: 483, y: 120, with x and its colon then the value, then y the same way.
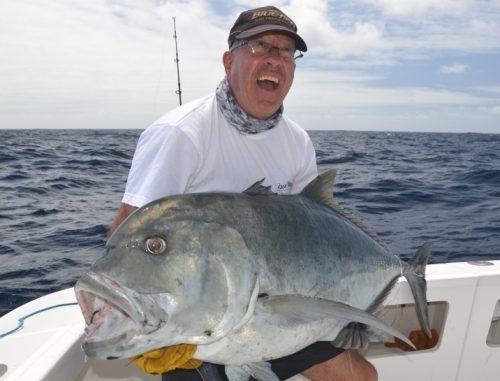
x: 247, y: 277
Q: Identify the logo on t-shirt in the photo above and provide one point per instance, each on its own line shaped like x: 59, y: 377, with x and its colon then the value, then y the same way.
x: 284, y: 188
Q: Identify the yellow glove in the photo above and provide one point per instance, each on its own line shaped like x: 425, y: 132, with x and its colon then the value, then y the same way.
x: 168, y: 358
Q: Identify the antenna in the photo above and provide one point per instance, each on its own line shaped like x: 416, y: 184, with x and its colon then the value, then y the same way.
x: 178, y: 91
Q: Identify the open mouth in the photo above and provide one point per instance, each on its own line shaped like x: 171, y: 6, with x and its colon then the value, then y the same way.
x: 106, y: 324
x: 114, y: 315
x: 268, y: 82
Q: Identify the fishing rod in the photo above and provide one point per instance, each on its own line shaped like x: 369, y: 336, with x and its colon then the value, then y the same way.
x: 178, y: 91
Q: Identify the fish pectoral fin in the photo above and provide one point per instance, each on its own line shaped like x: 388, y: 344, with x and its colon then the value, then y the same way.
x: 260, y: 371
x: 297, y: 309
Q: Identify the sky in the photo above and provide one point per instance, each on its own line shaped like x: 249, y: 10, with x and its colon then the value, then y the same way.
x: 391, y: 65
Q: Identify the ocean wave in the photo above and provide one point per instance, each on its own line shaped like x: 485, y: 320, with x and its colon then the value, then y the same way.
x: 325, y: 159
x: 71, y: 182
x: 480, y: 176
x: 61, y: 189
x: 44, y: 212
x: 15, y: 177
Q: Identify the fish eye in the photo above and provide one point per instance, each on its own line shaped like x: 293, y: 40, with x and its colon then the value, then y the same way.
x: 155, y: 245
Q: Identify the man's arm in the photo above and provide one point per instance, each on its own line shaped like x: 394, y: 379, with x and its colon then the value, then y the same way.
x: 124, y: 211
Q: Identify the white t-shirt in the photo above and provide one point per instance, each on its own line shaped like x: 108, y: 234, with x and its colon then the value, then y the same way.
x: 194, y: 149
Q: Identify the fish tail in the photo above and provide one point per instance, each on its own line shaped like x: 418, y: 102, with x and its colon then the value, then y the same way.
x: 415, y: 275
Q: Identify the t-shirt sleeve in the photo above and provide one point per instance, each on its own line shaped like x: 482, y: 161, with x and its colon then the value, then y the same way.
x: 164, y: 163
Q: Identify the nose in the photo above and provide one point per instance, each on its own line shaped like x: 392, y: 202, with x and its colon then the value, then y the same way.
x: 273, y: 55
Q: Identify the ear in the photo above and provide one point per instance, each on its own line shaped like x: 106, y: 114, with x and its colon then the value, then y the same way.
x: 227, y: 60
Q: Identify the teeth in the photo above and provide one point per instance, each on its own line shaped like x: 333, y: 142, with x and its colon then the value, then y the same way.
x: 269, y: 78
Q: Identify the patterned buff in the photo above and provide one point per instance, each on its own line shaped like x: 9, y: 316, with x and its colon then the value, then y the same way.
x: 237, y: 117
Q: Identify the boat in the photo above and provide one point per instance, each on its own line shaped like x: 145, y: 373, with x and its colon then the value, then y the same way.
x: 41, y: 340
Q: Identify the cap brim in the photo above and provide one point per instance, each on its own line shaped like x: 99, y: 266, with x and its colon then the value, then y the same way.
x: 299, y: 42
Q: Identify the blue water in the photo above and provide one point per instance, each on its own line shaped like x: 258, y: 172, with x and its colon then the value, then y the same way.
x: 59, y: 190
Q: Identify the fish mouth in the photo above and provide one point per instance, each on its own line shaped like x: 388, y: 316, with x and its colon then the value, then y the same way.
x: 115, y: 316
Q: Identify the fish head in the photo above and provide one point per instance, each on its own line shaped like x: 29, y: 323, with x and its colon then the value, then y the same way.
x: 166, y: 278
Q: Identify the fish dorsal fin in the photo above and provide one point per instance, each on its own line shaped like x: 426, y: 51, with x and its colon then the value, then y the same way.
x: 258, y: 189
x: 321, y: 190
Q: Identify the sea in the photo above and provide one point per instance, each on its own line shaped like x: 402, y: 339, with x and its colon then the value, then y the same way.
x: 60, y: 189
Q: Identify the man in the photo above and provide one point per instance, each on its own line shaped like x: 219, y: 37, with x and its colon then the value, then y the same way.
x: 229, y: 140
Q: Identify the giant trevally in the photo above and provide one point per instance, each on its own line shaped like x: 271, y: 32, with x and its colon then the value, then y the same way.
x: 247, y: 277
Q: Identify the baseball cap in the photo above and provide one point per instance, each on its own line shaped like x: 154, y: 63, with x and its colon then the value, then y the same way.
x: 262, y: 20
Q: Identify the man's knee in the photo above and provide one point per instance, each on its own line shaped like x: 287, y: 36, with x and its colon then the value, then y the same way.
x: 349, y: 365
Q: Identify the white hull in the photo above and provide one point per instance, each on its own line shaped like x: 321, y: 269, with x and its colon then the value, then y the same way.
x: 464, y: 306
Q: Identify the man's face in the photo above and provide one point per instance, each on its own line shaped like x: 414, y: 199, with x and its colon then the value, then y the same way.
x: 260, y: 83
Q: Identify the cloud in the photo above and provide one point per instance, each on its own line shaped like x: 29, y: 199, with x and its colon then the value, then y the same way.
x: 322, y: 100
x: 494, y: 110
x: 456, y: 68
x: 103, y: 63
x: 389, y: 32
x: 488, y: 89
x: 323, y: 91
x: 413, y: 8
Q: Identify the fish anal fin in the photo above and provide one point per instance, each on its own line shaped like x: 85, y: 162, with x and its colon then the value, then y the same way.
x: 237, y: 373
x: 354, y: 335
x: 260, y: 371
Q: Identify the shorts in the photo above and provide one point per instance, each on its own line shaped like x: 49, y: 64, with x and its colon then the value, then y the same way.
x: 284, y: 367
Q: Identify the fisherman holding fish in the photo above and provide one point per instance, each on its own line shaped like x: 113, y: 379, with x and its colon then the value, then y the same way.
x: 226, y: 142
